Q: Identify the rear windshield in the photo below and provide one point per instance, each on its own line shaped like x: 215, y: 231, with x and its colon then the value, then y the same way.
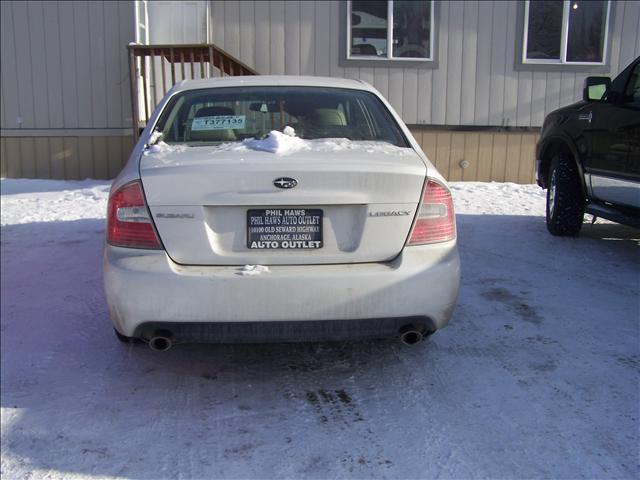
x: 217, y: 115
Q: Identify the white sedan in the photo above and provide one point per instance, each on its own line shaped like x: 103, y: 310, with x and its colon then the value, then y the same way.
x: 278, y: 208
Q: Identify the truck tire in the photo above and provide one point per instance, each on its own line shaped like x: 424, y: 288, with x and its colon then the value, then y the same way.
x: 565, y: 199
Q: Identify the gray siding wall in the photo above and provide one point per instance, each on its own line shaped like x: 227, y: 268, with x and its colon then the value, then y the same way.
x: 65, y: 67
x: 475, y: 82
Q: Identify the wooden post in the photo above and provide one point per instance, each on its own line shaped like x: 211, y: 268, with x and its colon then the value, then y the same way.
x: 211, y: 61
x: 164, y: 83
x: 133, y: 78
x: 173, y: 68
x: 153, y: 79
x: 143, y: 60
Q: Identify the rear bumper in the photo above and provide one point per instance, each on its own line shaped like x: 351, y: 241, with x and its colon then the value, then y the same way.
x: 283, y: 331
x: 145, y: 288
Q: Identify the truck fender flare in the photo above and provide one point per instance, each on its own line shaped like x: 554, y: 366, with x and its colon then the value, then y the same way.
x: 568, y: 143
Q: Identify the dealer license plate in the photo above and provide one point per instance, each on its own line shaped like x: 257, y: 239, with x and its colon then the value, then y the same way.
x: 284, y: 228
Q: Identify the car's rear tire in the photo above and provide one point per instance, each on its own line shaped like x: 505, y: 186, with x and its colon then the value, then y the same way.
x: 565, y: 199
x: 125, y: 339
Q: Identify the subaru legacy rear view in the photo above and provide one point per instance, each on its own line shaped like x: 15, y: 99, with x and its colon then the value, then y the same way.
x: 262, y: 208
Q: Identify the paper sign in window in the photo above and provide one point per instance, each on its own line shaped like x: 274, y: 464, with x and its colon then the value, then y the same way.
x: 218, y: 122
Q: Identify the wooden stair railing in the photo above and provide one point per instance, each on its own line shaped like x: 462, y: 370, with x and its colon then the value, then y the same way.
x: 154, y: 69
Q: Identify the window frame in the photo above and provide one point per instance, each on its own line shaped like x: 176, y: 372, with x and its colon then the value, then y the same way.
x: 630, y: 104
x: 564, y: 36
x: 390, y: 57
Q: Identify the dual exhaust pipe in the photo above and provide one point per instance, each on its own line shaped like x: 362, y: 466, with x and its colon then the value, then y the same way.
x: 409, y: 335
x: 161, y: 341
x: 412, y: 334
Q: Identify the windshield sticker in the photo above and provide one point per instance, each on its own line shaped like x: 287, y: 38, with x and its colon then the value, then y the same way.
x: 218, y: 122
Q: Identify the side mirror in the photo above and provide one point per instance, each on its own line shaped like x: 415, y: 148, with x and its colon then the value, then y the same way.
x: 595, y: 88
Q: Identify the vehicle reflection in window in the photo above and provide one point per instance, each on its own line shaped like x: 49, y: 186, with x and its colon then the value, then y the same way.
x: 369, y: 25
x: 411, y: 29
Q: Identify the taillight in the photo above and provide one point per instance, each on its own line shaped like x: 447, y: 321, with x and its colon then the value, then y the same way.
x: 128, y: 220
x: 435, y: 221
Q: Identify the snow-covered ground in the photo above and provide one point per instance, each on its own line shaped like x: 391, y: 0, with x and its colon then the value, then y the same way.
x: 536, y: 376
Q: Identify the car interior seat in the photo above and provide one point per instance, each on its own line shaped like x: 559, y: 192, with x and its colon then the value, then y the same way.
x: 330, y: 117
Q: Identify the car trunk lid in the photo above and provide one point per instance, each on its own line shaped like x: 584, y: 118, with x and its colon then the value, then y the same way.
x: 203, y: 200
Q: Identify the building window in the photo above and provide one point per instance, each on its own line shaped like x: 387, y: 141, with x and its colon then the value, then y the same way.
x: 390, y: 30
x: 571, y: 32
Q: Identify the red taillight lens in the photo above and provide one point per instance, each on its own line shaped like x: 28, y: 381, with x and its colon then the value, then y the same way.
x: 128, y: 220
x: 435, y: 221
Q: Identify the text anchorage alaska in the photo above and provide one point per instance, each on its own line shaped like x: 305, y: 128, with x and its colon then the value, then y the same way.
x: 284, y: 229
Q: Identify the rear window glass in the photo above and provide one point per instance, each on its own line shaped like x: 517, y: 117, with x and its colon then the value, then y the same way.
x: 217, y: 115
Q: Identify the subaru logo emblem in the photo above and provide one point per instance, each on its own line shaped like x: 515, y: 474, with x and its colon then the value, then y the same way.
x: 285, y: 182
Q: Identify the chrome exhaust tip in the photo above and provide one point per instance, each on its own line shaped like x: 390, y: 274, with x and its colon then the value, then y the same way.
x: 161, y: 342
x: 410, y: 334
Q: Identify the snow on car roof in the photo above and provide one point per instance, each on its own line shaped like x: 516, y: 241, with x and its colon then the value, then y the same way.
x: 272, y: 80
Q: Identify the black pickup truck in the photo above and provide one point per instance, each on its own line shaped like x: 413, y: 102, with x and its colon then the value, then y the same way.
x: 588, y: 155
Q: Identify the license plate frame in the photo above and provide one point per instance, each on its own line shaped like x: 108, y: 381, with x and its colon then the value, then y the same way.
x: 290, y: 228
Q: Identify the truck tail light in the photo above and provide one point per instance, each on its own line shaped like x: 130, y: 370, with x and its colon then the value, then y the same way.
x: 128, y: 219
x: 435, y: 221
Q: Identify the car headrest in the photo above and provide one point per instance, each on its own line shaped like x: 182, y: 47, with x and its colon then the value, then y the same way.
x: 330, y: 117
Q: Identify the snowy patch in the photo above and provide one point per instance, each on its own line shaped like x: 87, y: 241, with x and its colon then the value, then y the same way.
x: 366, y: 146
x: 155, y: 136
x: 252, y: 270
x: 498, y: 198
x: 277, y: 142
x: 28, y: 201
x: 161, y: 149
x: 280, y: 143
x: 285, y: 144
